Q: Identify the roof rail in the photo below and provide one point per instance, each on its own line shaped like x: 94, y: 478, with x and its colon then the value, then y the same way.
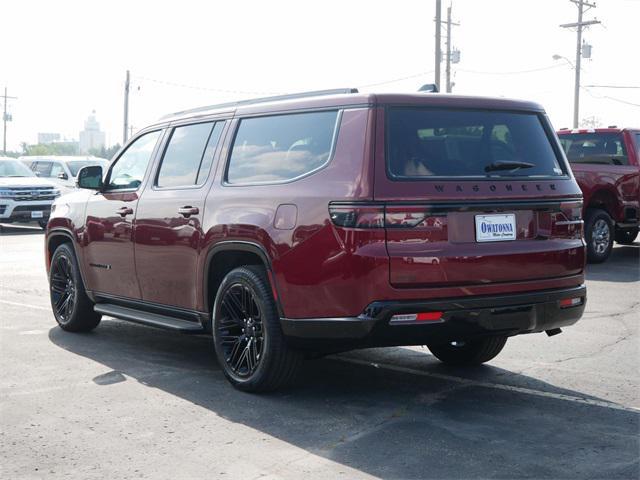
x: 251, y: 101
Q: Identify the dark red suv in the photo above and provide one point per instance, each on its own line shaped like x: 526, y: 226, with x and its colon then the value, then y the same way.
x: 324, y: 222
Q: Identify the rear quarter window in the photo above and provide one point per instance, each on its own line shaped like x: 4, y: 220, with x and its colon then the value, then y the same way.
x: 604, y: 148
x: 427, y: 142
x: 282, y: 147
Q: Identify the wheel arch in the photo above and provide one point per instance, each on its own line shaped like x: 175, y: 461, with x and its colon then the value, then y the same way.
x: 606, y: 200
x: 227, y: 255
x: 54, y: 239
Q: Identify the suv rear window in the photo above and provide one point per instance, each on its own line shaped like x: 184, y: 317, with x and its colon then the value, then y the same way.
x: 427, y: 142
x: 280, y: 148
x: 596, y: 147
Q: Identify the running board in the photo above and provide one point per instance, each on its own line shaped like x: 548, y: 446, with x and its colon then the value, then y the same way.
x: 148, y: 318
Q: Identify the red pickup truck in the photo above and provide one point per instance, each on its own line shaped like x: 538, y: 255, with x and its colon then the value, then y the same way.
x: 606, y: 164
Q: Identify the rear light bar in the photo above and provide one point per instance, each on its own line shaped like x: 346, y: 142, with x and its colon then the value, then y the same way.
x: 570, y: 302
x: 417, y: 317
x: 382, y: 216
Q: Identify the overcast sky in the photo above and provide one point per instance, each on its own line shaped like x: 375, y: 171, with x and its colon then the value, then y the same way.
x: 64, y: 58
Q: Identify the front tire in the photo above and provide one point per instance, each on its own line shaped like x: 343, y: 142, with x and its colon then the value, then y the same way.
x: 72, y: 308
x: 247, y: 337
x: 467, y: 353
x: 598, y: 234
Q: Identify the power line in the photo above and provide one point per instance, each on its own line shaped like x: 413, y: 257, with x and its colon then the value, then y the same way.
x: 206, y: 89
x: 612, y: 86
x: 421, y: 74
x: 515, y: 72
x: 607, y: 97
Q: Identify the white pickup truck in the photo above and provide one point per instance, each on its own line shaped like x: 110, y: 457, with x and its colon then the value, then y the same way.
x: 23, y: 196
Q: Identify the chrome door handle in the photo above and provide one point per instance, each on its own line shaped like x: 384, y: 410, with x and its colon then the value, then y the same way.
x: 188, y: 211
x: 124, y: 211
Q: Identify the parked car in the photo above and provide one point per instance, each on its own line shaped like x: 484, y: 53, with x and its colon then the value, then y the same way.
x: 326, y: 222
x: 23, y: 196
x: 606, y: 164
x: 62, y: 170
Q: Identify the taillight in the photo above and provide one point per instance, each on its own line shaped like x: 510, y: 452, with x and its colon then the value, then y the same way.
x: 567, y: 223
x: 357, y: 215
x: 380, y: 216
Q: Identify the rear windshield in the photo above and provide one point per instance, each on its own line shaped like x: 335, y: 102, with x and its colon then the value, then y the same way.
x: 430, y: 142
x: 598, y: 148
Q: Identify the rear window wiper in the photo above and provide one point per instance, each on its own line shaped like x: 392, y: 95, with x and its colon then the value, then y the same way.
x: 507, y: 165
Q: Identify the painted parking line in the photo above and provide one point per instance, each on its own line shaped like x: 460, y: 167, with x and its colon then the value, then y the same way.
x: 26, y: 305
x: 497, y: 386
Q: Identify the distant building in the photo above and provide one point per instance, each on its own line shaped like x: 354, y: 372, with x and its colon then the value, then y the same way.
x: 44, y: 138
x: 91, y: 137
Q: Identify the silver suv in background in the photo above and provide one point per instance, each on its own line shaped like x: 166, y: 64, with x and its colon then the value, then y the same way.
x: 61, y: 170
x: 23, y: 196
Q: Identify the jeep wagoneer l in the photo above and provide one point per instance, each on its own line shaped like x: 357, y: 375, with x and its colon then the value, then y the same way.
x: 324, y: 222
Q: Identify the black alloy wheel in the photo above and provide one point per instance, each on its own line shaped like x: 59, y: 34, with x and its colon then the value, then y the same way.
x: 247, y: 336
x: 72, y: 308
x: 63, y: 287
x: 240, y: 330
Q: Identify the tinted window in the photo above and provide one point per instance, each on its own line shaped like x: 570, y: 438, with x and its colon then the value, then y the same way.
x: 13, y: 168
x: 56, y: 169
x: 189, y: 155
x: 638, y: 144
x: 283, y: 147
x: 598, y: 148
x: 453, y: 143
x: 43, y: 169
x: 129, y: 169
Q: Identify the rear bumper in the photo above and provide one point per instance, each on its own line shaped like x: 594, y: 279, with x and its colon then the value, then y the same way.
x: 469, y: 317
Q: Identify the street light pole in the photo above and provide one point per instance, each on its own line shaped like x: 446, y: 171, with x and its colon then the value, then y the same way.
x: 126, y: 110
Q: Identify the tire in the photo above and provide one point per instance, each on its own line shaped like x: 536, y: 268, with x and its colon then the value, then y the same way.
x: 598, y: 234
x: 473, y: 352
x: 626, y: 236
x: 43, y: 224
x: 247, y: 336
x: 71, y: 307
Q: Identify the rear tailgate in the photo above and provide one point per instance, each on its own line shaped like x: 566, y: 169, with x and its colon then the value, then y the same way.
x: 451, y: 223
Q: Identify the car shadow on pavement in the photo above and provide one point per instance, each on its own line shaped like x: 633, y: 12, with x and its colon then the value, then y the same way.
x: 386, y: 423
x: 623, y: 265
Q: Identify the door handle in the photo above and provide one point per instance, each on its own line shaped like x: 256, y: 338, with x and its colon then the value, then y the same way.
x: 188, y: 211
x: 124, y: 211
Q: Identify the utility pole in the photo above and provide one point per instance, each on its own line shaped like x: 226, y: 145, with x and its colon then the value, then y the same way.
x: 579, y: 25
x: 5, y: 118
x: 438, y: 42
x: 126, y: 110
x: 449, y: 54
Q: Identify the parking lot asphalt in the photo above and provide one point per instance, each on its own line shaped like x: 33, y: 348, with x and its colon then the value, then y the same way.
x: 127, y: 401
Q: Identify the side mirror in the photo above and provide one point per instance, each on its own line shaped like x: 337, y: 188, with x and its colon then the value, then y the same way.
x: 63, y: 176
x: 90, y: 177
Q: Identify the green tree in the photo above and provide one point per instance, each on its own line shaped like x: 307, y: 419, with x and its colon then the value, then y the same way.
x: 61, y: 148
x: 104, y: 152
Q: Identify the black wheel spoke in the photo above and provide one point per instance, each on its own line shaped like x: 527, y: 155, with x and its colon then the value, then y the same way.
x: 239, y: 330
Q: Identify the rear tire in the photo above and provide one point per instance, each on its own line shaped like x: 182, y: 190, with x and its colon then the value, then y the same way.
x: 598, y: 233
x: 43, y: 224
x: 247, y: 336
x: 473, y: 352
x: 72, y: 308
x: 626, y: 236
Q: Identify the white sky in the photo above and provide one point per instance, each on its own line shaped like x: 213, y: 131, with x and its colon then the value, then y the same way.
x: 64, y: 58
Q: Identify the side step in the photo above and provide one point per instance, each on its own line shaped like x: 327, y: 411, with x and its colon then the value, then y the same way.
x: 147, y: 318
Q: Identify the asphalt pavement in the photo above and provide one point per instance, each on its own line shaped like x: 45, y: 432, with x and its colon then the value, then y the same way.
x: 127, y: 401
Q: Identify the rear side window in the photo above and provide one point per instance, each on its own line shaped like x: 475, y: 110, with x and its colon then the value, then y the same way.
x: 280, y: 148
x: 596, y: 147
x: 43, y: 169
x: 425, y: 142
x: 189, y: 155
